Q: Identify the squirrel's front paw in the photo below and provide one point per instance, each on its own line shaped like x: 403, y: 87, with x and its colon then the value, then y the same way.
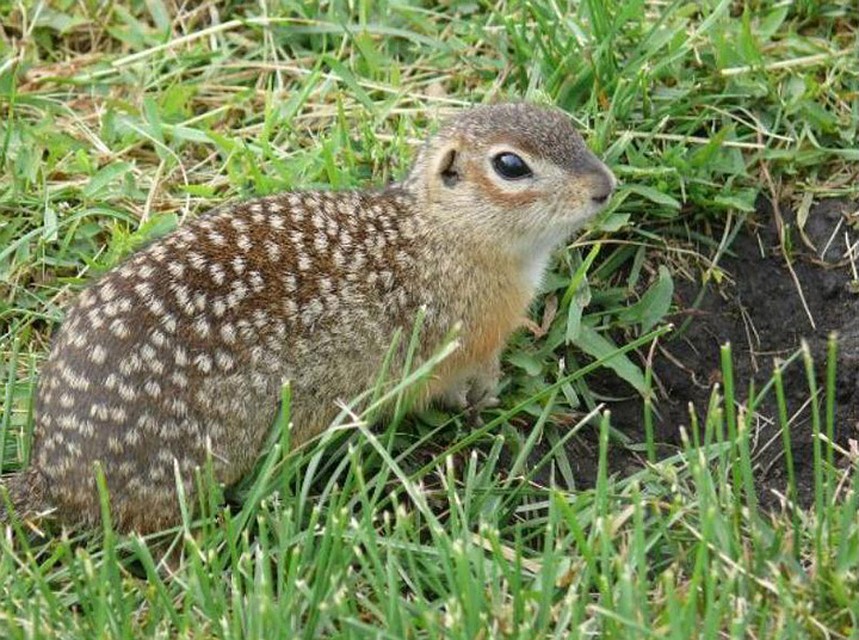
x: 481, y: 397
x: 472, y: 396
x: 456, y: 397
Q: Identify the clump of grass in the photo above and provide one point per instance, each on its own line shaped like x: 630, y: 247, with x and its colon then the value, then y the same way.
x: 348, y: 537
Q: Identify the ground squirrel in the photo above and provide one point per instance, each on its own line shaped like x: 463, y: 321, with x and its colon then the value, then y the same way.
x: 184, y: 348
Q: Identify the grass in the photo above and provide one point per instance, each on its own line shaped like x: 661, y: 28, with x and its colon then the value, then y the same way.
x: 119, y: 120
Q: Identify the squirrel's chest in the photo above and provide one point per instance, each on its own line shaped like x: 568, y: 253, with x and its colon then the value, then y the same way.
x: 490, y: 302
x: 494, y: 318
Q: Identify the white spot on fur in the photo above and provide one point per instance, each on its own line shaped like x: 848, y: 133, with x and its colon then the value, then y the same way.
x: 179, y: 379
x: 114, y: 445
x: 143, y: 289
x: 152, y: 388
x: 178, y: 407
x: 272, y: 250
x: 148, y: 352
x: 228, y: 333
x: 147, y: 422
x: 203, y: 363
x: 119, y: 329
x: 127, y: 392
x: 176, y: 269
x: 224, y: 361
x: 197, y: 261
x: 107, y: 292
x: 261, y: 320
x: 320, y: 242
x: 201, y: 326
x: 78, y: 340
x: 158, y: 252
x: 169, y: 323
x: 256, y: 281
x: 130, y: 364
x: 219, y: 307
x: 155, y: 306
x: 217, y: 272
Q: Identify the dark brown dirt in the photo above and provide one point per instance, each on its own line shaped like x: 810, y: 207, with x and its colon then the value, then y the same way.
x: 759, y: 310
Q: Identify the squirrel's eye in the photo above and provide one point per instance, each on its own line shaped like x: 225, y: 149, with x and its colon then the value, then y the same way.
x: 510, y: 166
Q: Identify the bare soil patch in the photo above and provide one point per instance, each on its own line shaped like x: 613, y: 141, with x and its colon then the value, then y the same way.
x: 759, y: 310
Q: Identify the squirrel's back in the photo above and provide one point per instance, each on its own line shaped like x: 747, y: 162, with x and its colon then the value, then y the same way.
x: 181, y: 352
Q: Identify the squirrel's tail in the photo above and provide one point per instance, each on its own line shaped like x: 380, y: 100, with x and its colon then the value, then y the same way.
x: 27, y: 491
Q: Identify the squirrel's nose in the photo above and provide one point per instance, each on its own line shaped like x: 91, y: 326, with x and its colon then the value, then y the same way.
x: 604, y: 183
x: 602, y: 198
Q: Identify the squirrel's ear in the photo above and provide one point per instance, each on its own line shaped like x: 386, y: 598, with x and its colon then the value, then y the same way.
x: 448, y: 166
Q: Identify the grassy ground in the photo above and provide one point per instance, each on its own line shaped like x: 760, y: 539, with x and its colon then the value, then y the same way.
x: 119, y: 120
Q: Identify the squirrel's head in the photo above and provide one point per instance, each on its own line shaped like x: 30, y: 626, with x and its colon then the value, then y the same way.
x: 519, y: 171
